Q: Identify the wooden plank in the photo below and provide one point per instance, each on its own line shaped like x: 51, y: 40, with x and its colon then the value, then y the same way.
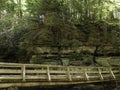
x: 37, y: 65
x: 92, y: 72
x: 112, y: 74
x: 23, y: 72
x: 36, y: 77
x: 10, y: 71
x: 93, y: 77
x: 115, y: 71
x: 59, y: 77
x: 7, y: 66
x: 77, y: 77
x: 10, y: 77
x: 41, y: 65
x: 57, y: 71
x: 99, y: 71
x: 86, y: 75
x: 48, y: 73
x: 35, y: 71
x: 68, y: 74
x: 77, y: 72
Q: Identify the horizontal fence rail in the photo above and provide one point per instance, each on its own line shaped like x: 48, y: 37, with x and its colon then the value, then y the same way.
x: 10, y: 72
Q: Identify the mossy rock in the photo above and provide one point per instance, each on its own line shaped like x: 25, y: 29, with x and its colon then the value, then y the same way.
x: 103, y: 61
x: 35, y: 59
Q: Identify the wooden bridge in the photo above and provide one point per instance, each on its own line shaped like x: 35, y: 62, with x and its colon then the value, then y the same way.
x: 25, y: 75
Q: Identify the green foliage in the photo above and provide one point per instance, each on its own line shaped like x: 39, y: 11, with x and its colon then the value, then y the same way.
x: 66, y: 23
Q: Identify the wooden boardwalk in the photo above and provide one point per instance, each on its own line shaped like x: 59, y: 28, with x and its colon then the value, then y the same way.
x: 22, y: 75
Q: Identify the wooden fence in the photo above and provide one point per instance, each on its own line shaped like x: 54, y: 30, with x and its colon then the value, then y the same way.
x: 50, y: 73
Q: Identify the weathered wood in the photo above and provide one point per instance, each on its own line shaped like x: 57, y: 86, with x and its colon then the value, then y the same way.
x: 116, y: 71
x: 112, y: 74
x: 68, y: 74
x: 41, y: 65
x: 57, y: 72
x: 35, y: 71
x: 23, y: 72
x: 11, y: 77
x: 99, y: 71
x: 48, y: 74
x: 86, y: 75
x: 36, y: 77
x: 5, y: 71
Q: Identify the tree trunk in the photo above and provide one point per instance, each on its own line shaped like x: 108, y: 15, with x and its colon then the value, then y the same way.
x: 95, y: 54
x: 20, y: 13
x: 56, y: 34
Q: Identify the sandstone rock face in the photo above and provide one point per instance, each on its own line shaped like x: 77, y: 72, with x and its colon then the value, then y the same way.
x: 109, y: 61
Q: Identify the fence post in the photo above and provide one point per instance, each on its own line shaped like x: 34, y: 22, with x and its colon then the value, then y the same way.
x: 111, y: 72
x: 48, y: 73
x: 99, y: 71
x: 23, y: 72
x: 86, y: 75
x: 68, y: 74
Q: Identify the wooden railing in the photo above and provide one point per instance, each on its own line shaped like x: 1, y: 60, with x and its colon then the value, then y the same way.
x: 49, y: 73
